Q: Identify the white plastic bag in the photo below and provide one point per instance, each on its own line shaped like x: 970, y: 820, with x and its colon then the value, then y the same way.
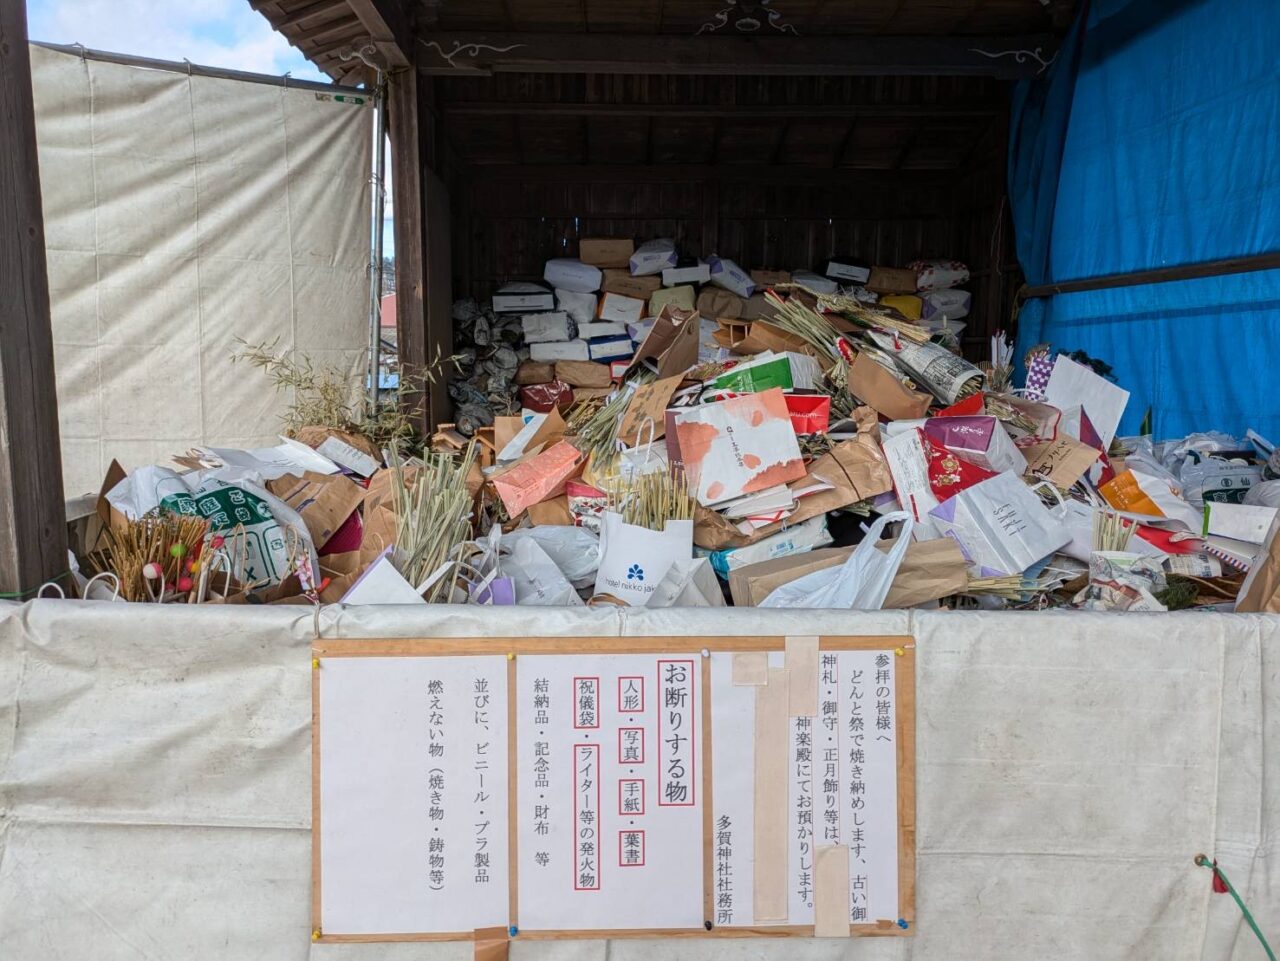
x: 634, y: 560
x: 860, y: 583
x: 575, y: 550
x: 537, y: 579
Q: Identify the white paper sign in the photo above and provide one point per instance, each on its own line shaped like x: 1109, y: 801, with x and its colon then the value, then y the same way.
x: 733, y: 713
x: 609, y: 791
x: 413, y: 777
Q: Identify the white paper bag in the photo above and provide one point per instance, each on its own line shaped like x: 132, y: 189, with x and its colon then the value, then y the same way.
x: 691, y: 583
x: 634, y: 560
x: 1001, y: 525
x: 860, y: 583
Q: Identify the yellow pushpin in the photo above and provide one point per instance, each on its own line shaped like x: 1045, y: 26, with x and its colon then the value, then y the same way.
x: 899, y: 651
x: 315, y: 662
x: 511, y: 656
x: 315, y: 934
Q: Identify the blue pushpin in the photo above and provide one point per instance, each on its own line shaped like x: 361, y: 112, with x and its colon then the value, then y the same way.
x: 904, y: 924
x: 513, y: 931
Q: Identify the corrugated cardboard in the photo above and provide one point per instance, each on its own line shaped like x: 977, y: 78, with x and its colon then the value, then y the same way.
x: 770, y: 278
x: 891, y: 280
x: 621, y: 282
x: 606, y: 251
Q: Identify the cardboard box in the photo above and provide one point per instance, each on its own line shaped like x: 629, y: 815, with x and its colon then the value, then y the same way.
x: 675, y: 276
x: 590, y: 332
x: 606, y: 251
x: 621, y: 282
x: 770, y: 278
x: 518, y: 298
x: 620, y: 309
x: 583, y: 373
x: 556, y: 352
x: 891, y: 280
x: 847, y: 271
x: 682, y: 297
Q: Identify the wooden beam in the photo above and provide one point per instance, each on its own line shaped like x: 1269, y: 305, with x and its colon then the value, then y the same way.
x: 466, y: 109
x: 453, y: 53
x: 33, y: 520
x: 1157, y: 275
x: 406, y: 184
x: 390, y: 28
x: 850, y: 177
x: 314, y: 9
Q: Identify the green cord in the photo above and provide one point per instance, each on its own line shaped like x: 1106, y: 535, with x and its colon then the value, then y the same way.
x: 19, y: 595
x: 1204, y: 862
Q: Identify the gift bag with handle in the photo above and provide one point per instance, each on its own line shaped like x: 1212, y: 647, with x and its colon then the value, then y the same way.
x: 1001, y: 525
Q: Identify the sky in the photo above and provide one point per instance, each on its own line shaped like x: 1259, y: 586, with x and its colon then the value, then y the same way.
x: 211, y: 33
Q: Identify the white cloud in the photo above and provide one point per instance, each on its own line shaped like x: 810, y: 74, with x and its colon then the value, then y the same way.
x: 214, y: 33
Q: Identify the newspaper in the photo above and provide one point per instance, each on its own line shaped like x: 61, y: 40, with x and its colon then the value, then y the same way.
x: 935, y: 368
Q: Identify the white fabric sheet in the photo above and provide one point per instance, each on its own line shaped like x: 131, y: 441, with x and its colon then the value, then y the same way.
x: 183, y: 212
x: 155, y: 780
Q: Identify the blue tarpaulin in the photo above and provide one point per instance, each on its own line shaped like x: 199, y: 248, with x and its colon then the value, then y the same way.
x: 1155, y: 142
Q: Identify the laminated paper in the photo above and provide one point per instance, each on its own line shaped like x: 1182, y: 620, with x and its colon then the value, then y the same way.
x: 802, y: 666
x: 771, y: 836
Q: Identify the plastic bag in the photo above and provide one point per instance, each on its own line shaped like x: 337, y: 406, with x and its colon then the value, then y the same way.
x: 536, y: 579
x: 575, y: 550
x: 860, y: 583
x: 227, y: 497
x: 690, y: 583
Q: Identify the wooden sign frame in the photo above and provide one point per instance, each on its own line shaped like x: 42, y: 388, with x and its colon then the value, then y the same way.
x: 515, y: 647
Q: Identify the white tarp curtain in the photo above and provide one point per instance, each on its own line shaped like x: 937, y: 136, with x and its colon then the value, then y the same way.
x: 155, y: 776
x: 182, y: 212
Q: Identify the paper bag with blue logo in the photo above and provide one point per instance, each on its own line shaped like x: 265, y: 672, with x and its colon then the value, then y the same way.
x: 1001, y: 525
x: 634, y: 559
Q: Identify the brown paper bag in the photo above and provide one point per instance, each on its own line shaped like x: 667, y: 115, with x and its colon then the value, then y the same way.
x: 880, y: 390
x: 649, y: 402
x: 1260, y: 592
x: 767, y: 336
x: 583, y: 373
x: 532, y: 372
x: 550, y: 513
x: 672, y: 343
x: 1061, y: 462
x: 930, y: 571
x: 715, y: 302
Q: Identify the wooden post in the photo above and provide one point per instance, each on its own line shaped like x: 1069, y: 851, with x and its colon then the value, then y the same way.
x: 33, y: 521
x: 406, y: 186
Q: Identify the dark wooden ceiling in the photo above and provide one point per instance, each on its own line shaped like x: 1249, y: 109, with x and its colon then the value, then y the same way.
x: 323, y: 30
x: 806, y: 17
x: 524, y: 112
x: 868, y: 123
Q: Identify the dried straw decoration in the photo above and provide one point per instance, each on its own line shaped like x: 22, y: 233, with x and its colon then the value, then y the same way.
x: 160, y: 537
